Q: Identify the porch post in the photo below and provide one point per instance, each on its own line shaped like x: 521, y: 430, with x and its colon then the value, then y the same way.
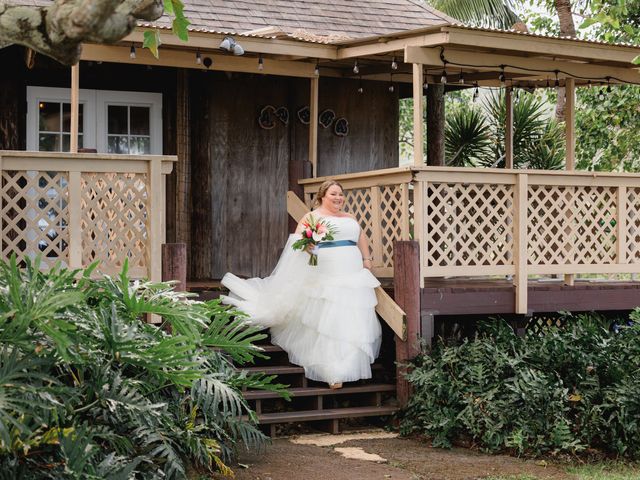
x: 435, y: 125
x: 75, y: 109
x: 418, y: 117
x: 313, y: 126
x: 508, y: 128
x: 570, y: 138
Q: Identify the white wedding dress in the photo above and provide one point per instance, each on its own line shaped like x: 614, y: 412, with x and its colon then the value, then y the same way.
x: 323, y: 316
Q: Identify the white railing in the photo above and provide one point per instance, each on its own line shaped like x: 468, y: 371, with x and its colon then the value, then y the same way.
x: 79, y: 208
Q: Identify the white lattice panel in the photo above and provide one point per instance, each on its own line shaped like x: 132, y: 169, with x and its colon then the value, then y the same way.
x: 358, y: 202
x: 35, y: 216
x: 390, y: 220
x: 114, y: 220
x: 469, y: 224
x: 571, y: 225
x: 633, y: 225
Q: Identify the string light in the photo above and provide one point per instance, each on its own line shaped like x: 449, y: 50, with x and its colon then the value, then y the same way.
x: 132, y: 51
x: 601, y: 94
x: 260, y: 63
x: 391, y: 87
x: 557, y: 82
x: 356, y: 68
x: 198, y: 58
x: 476, y: 92
x: 547, y: 82
x: 394, y: 64
x: 501, y: 77
x: 360, y: 89
x: 425, y: 83
x: 443, y: 77
x: 316, y: 70
x: 461, y: 80
x: 608, y: 84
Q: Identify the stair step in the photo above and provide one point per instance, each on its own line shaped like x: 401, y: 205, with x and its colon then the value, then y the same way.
x: 335, y: 413
x: 287, y: 369
x: 320, y: 391
x: 267, y: 348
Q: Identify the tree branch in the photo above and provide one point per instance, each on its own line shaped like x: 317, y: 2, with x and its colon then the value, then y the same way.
x: 58, y: 30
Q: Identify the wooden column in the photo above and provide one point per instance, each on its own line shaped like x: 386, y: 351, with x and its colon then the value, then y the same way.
x: 418, y: 116
x: 508, y: 128
x: 406, y: 278
x: 75, y: 107
x: 570, y: 138
x: 313, y: 126
x: 520, y: 242
x: 183, y: 166
x: 174, y: 264
x: 435, y: 124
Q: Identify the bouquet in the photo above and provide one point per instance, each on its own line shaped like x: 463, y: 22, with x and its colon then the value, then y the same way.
x: 314, y: 232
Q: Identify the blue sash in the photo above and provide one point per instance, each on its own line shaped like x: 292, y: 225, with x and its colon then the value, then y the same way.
x: 337, y: 243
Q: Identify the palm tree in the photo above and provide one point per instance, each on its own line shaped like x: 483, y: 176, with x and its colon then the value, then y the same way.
x: 485, y: 13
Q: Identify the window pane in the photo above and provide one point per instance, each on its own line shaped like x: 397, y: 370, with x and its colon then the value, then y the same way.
x: 49, y: 142
x: 49, y: 116
x: 140, y: 120
x: 66, y: 117
x: 117, y: 120
x: 139, y: 145
x: 118, y: 145
x: 66, y: 142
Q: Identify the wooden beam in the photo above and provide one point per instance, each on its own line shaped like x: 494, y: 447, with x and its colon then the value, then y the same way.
x: 186, y: 59
x: 377, y: 47
x: 520, y: 202
x: 75, y: 107
x: 296, y: 208
x: 552, y: 47
x: 418, y: 116
x: 268, y: 46
x: 313, y: 125
x: 508, y: 128
x: 491, y: 62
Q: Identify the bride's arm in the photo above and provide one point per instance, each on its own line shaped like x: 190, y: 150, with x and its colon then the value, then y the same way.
x: 363, y: 245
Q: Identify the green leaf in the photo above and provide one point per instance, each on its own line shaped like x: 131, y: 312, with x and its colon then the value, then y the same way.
x: 636, y: 60
x: 179, y: 28
x: 152, y: 41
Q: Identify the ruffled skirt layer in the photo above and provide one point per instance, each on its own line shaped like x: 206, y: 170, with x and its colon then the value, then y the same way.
x: 323, y: 317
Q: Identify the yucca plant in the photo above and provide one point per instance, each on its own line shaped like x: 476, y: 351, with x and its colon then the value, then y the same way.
x: 467, y: 137
x: 89, y: 390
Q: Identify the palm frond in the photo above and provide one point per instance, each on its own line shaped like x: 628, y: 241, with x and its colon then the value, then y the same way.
x: 484, y: 13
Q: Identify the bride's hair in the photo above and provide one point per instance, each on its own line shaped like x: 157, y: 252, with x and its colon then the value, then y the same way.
x: 326, y: 185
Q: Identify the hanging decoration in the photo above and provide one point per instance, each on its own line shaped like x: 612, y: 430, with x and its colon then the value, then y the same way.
x: 267, y: 117
x: 341, y: 127
x: 326, y: 118
x: 304, y: 115
x: 282, y: 114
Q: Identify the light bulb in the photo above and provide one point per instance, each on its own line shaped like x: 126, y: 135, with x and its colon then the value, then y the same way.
x: 198, y: 58
x: 394, y: 64
x: 443, y: 77
x: 356, y: 68
x: 132, y: 51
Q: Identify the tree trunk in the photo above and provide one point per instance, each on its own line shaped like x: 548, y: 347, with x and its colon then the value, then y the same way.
x: 567, y: 29
x: 435, y: 125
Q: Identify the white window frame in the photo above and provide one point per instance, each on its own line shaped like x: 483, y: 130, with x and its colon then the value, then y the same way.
x: 95, y: 110
x: 35, y: 95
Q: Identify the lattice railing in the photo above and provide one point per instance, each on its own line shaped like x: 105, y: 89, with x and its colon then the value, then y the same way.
x: 80, y: 208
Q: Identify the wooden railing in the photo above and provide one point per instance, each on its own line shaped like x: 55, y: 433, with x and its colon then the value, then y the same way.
x: 494, y: 222
x: 79, y: 208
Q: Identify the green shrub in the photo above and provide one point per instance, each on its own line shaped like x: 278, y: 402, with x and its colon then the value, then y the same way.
x: 563, y: 391
x: 89, y: 390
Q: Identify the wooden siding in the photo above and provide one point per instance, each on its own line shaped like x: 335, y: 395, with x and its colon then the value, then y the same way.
x: 241, y: 173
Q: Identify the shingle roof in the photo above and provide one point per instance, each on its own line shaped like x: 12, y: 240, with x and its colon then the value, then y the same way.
x: 343, y: 18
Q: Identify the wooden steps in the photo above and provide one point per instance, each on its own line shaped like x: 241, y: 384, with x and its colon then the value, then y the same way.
x: 314, y: 402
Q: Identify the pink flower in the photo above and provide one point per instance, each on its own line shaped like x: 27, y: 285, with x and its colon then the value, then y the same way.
x: 322, y: 228
x: 308, y: 233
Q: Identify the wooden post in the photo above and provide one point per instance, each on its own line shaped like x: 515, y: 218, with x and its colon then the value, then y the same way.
x: 174, y: 264
x: 313, y: 126
x: 418, y: 117
x: 406, y: 277
x: 570, y: 138
x: 435, y: 124
x: 183, y: 167
x: 520, y: 259
x: 508, y: 128
x: 75, y: 107
x: 155, y: 207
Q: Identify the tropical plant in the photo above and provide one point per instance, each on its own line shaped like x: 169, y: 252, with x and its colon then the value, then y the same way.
x: 89, y: 390
x: 487, y: 13
x: 467, y: 137
x: 563, y: 391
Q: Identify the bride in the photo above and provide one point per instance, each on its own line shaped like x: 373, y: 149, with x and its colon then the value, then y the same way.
x: 323, y: 316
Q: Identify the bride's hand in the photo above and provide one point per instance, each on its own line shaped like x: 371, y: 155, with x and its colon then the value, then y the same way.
x: 367, y: 264
x: 309, y: 248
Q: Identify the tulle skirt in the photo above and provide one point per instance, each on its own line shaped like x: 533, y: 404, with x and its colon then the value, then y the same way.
x: 323, y: 316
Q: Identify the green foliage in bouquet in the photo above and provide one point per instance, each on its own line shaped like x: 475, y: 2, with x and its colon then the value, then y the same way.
x: 89, y: 390
x: 569, y: 389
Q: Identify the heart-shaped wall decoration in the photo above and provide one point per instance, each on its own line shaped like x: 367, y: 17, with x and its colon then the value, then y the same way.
x: 282, y: 114
x: 326, y: 117
x: 341, y: 128
x: 266, y: 120
x: 304, y: 115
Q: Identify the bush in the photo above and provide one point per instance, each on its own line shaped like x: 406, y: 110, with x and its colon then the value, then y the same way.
x: 563, y: 391
x: 89, y: 390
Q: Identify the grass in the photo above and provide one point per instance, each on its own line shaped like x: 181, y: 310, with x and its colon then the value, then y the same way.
x: 598, y: 471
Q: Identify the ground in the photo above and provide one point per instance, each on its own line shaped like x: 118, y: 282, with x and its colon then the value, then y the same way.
x: 322, y: 457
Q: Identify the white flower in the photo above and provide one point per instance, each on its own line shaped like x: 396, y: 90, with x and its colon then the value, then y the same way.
x: 317, y: 237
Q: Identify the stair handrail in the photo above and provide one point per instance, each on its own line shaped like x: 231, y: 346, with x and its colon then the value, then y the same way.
x: 387, y: 308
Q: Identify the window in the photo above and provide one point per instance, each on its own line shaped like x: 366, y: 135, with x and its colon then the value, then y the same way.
x: 110, y: 121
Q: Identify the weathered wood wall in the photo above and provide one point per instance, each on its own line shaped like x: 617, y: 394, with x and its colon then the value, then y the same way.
x: 241, y: 172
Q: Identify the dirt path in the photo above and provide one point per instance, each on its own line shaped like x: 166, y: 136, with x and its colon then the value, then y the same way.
x: 320, y: 457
